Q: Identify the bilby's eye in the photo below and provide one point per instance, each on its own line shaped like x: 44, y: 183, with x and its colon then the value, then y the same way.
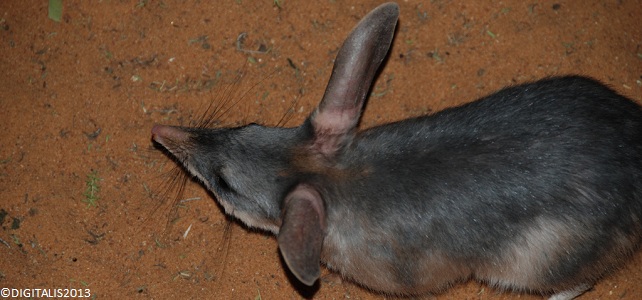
x: 222, y: 184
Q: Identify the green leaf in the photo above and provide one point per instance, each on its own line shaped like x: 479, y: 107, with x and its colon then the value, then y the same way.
x: 55, y: 10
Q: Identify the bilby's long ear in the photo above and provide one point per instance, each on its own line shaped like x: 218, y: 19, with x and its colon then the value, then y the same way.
x: 302, y: 231
x: 354, y: 69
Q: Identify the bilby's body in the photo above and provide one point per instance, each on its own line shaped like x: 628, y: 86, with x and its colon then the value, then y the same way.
x: 537, y: 187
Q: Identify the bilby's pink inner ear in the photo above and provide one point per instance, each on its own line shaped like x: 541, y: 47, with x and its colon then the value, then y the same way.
x: 354, y: 69
x: 302, y: 231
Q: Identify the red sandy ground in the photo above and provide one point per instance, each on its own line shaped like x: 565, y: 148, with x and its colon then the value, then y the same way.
x: 121, y: 66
